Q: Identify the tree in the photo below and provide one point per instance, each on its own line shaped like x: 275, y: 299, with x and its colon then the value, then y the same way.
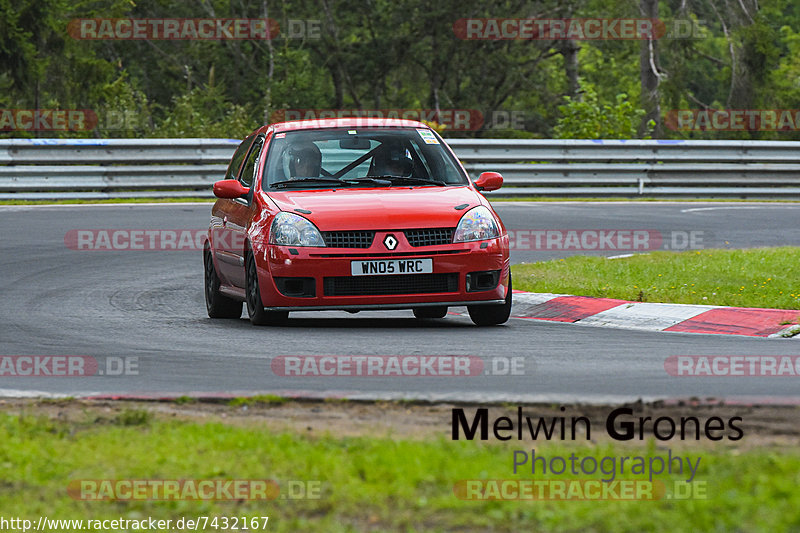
x: 587, y: 118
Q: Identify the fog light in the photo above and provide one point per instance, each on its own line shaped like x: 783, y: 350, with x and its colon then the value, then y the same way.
x: 482, y: 281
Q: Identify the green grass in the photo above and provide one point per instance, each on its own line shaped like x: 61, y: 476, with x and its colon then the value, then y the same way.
x: 761, y: 277
x: 260, y: 399
x: 374, y: 484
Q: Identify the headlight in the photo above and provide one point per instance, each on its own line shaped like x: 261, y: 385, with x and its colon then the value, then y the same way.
x: 477, y: 224
x: 289, y: 229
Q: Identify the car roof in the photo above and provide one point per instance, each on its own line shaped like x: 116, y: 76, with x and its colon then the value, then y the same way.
x: 347, y: 122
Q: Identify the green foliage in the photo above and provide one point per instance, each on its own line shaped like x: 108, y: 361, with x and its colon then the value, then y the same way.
x: 123, y: 110
x: 388, y: 55
x: 587, y: 118
x: 133, y: 417
x: 183, y: 400
x: 260, y: 399
x: 205, y: 112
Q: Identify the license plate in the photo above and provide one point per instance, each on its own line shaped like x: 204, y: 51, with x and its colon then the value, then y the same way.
x: 385, y: 267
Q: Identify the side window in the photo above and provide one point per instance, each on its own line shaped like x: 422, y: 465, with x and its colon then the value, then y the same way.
x: 249, y: 167
x: 238, y: 157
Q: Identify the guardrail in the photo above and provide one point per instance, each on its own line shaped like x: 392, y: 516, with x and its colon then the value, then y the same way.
x: 657, y: 168
x: 111, y: 168
x: 120, y: 168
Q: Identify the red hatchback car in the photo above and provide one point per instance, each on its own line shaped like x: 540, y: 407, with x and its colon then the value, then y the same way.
x: 354, y: 214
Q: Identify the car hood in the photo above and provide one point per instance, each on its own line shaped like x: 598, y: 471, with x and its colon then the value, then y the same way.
x: 384, y: 208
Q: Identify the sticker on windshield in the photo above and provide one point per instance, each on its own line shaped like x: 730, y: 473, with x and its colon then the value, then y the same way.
x: 428, y: 136
x: 351, y: 132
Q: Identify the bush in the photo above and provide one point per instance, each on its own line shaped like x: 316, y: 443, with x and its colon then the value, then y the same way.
x: 585, y: 118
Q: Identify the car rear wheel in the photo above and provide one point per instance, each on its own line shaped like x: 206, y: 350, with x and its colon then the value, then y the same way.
x: 491, y: 315
x: 217, y: 304
x: 255, y: 307
x: 431, y: 312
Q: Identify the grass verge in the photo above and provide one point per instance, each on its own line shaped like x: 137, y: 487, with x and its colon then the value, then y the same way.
x: 366, y: 483
x: 760, y: 277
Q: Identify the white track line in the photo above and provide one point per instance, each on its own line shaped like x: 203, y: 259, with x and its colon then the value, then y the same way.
x: 718, y: 208
x: 645, y: 316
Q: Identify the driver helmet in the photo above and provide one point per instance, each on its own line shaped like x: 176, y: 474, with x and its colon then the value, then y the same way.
x: 305, y: 160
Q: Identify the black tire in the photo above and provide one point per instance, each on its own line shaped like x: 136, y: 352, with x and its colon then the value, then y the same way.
x: 217, y: 304
x: 255, y: 308
x: 431, y: 312
x: 492, y: 315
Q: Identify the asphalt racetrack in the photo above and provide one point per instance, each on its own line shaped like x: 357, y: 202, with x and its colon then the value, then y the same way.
x: 146, y: 308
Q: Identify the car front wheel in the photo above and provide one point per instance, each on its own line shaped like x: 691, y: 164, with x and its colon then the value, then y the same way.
x: 255, y: 307
x: 217, y: 304
x: 492, y: 315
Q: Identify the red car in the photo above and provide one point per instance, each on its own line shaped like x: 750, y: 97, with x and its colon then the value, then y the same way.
x: 354, y: 214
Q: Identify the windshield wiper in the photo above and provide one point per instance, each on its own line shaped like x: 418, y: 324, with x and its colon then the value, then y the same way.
x: 372, y: 179
x: 409, y: 179
x: 302, y: 181
x: 387, y: 179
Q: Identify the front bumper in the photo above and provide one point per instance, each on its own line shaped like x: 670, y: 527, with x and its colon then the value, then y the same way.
x: 325, y: 269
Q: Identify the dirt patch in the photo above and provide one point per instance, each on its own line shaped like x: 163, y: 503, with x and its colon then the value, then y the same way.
x: 767, y: 425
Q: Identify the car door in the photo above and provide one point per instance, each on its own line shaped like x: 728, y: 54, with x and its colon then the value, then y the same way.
x: 241, y: 212
x: 226, y: 258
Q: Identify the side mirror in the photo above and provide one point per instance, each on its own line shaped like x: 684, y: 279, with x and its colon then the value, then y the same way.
x: 229, y: 189
x: 489, y: 181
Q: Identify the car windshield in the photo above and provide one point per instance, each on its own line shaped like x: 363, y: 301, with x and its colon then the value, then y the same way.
x: 362, y: 157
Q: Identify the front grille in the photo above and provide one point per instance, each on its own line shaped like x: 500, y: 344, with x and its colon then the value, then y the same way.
x: 429, y: 236
x: 392, y: 284
x: 348, y: 239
